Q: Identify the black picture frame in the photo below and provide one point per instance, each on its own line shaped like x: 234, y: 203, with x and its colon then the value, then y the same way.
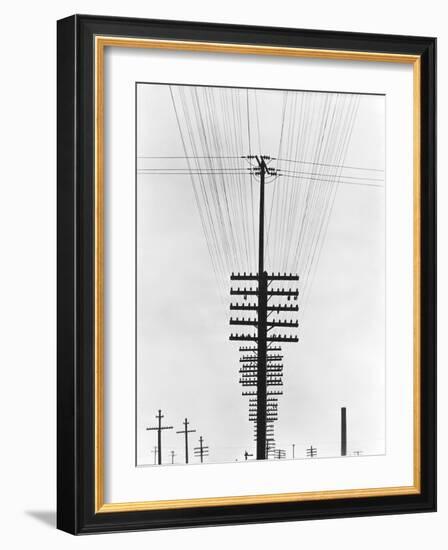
x: 75, y: 225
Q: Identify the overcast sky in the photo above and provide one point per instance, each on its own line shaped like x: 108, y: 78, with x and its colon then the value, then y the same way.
x: 186, y: 364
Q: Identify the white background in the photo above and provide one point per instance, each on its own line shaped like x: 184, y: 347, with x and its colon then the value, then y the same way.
x: 27, y: 299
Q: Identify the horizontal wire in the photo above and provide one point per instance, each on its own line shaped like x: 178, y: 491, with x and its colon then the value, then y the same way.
x: 330, y: 165
x: 190, y: 157
x: 190, y: 172
x: 331, y: 180
x: 185, y: 168
x: 363, y: 184
x: 292, y: 176
x: 328, y: 175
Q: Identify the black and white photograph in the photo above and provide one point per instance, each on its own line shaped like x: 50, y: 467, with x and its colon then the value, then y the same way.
x: 219, y: 277
x: 260, y: 292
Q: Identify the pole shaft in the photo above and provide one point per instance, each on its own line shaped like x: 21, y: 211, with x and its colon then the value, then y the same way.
x: 262, y: 330
x: 261, y: 221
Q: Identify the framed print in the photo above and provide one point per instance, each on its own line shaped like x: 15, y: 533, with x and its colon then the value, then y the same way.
x: 246, y: 274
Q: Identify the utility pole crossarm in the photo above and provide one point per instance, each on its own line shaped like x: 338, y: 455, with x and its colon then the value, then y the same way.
x: 243, y: 307
x: 254, y: 359
x: 276, y: 323
x: 243, y: 321
x: 243, y: 337
x: 282, y: 338
x: 252, y: 371
x: 284, y: 292
x: 284, y: 277
x: 243, y: 292
x: 254, y: 393
x: 286, y: 307
x: 243, y: 277
x: 269, y: 399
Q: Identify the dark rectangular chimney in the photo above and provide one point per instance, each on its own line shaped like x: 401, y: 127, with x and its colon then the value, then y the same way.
x: 343, y: 431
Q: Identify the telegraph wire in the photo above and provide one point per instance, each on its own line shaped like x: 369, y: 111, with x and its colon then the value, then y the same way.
x: 313, y: 134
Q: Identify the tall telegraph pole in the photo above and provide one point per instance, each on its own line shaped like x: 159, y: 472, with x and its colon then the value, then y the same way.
x: 262, y: 320
x: 261, y: 370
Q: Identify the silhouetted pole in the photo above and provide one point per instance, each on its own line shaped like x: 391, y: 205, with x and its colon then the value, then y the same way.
x: 343, y: 431
x: 202, y: 450
x: 262, y: 328
x: 186, y: 431
x: 159, y: 429
x: 173, y: 454
x: 247, y: 455
x: 270, y: 446
x: 279, y: 454
x: 311, y: 452
x: 261, y: 370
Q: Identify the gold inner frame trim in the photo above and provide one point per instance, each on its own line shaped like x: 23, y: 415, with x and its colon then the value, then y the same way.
x: 101, y: 42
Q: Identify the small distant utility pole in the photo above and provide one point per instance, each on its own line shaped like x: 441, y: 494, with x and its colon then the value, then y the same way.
x: 186, y: 431
x: 154, y: 452
x: 279, y: 454
x: 247, y: 455
x: 173, y: 454
x: 311, y: 452
x: 293, y: 450
x: 270, y: 446
x: 159, y: 429
x: 202, y: 450
x: 343, y: 431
